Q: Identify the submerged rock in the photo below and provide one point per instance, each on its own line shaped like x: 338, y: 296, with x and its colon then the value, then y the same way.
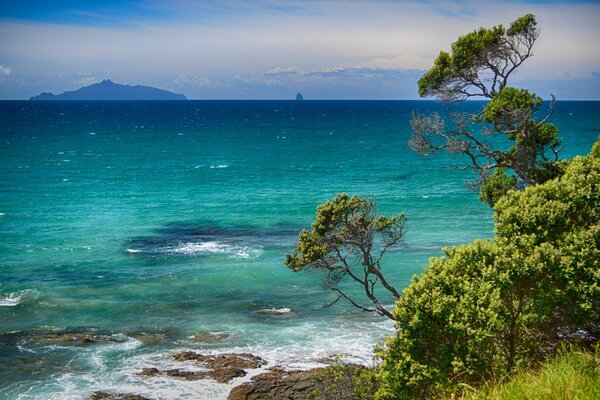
x: 116, y: 396
x: 314, y: 384
x: 210, y: 337
x: 85, y: 336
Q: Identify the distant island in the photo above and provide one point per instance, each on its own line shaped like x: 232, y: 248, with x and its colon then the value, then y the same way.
x: 108, y: 90
x: 299, y: 97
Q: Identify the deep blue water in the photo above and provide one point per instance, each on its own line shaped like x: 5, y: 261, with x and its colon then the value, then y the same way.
x: 153, y: 223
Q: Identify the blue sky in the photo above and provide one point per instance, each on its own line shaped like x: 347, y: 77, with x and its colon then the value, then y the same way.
x: 269, y: 49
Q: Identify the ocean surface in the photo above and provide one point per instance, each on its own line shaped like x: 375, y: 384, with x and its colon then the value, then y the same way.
x: 154, y: 227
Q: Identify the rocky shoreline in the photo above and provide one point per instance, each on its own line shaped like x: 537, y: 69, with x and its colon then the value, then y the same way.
x: 275, y: 383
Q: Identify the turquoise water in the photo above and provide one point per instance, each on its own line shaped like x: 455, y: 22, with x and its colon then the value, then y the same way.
x: 153, y: 223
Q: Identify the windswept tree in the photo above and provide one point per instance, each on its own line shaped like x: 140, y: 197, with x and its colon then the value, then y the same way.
x: 479, y: 66
x: 347, y: 241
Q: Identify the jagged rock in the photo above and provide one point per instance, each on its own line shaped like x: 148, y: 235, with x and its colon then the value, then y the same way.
x: 223, y: 375
x: 314, y: 384
x: 116, y: 396
x: 241, y: 360
x: 222, y: 368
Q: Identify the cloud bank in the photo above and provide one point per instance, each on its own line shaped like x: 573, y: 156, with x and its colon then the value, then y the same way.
x: 268, y: 49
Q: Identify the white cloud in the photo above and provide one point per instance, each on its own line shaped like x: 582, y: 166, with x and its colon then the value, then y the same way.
x: 345, y: 38
x: 5, y: 71
x: 87, y: 80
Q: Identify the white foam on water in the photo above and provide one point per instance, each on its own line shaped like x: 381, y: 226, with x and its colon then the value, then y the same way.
x: 197, y: 248
x: 247, y: 252
x: 219, y: 166
x: 16, y: 298
x: 283, y: 310
x: 134, y: 251
x: 345, y: 339
x: 10, y: 301
x: 210, y: 247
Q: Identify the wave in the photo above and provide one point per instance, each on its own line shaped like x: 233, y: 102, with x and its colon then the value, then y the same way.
x: 10, y: 301
x: 295, y: 346
x: 219, y: 166
x: 203, y: 248
x: 16, y: 298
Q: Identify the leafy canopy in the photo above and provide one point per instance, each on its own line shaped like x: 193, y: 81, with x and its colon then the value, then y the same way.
x: 348, y: 240
x: 491, y: 306
x: 479, y: 65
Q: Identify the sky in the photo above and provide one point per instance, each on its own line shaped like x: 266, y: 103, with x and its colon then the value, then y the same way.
x: 272, y: 49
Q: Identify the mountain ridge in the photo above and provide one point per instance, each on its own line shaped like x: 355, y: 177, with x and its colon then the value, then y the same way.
x: 108, y: 90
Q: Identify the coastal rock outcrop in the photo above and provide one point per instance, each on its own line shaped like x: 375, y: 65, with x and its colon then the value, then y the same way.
x: 116, y: 396
x: 222, y: 368
x: 314, y: 384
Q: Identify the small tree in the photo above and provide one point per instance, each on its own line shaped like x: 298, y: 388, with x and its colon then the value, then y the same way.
x: 348, y: 240
x: 479, y: 66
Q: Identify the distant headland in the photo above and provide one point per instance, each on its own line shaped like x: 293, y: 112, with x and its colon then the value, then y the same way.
x: 108, y: 90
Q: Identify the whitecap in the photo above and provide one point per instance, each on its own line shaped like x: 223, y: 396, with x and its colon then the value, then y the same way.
x: 219, y: 166
x: 247, y: 252
x: 134, y: 251
x: 194, y: 248
x: 92, y: 133
x: 275, y: 311
x: 10, y: 301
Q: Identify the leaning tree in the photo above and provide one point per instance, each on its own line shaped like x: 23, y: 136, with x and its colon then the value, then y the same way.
x: 347, y: 241
x: 479, y: 66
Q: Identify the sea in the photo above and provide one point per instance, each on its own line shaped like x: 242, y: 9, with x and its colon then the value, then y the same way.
x: 130, y: 231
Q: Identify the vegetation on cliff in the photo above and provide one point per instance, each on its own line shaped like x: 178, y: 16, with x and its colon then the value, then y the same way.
x: 489, y: 309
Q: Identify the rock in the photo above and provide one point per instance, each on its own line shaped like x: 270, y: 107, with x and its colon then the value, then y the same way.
x: 150, y: 372
x: 210, y: 337
x: 149, y: 338
x: 222, y: 368
x: 314, y: 384
x: 116, y: 396
x: 241, y: 360
x: 84, y: 336
x: 223, y: 375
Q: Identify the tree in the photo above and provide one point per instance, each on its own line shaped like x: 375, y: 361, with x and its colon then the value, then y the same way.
x: 348, y: 240
x: 488, y: 307
x: 479, y: 66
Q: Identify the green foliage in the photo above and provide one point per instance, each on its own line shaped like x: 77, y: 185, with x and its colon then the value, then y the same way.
x: 490, y: 307
x: 348, y: 239
x: 365, y: 384
x: 497, y: 186
x: 526, y: 25
x: 468, y: 55
x: 480, y: 64
x: 437, y: 75
x: 506, y: 109
x: 572, y: 374
x: 343, y: 381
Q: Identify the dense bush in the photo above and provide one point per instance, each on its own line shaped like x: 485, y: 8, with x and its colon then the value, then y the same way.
x: 489, y: 307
